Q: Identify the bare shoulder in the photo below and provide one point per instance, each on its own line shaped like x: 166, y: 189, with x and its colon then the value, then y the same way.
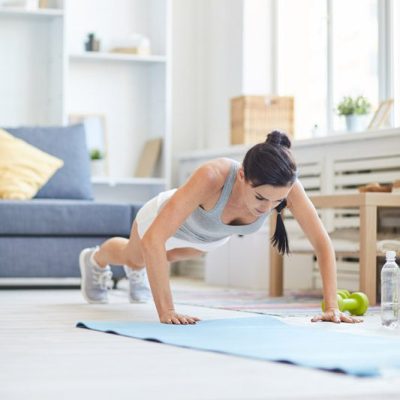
x: 201, y: 188
x: 296, y: 196
x: 212, y: 174
x: 204, y: 184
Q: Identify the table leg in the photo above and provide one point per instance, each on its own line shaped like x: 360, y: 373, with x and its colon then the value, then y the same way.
x: 368, y: 228
x: 275, y: 265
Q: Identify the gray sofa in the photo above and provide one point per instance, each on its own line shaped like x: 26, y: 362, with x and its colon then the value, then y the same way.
x: 42, y: 237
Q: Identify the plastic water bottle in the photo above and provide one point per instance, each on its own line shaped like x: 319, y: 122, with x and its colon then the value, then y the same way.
x: 390, y: 291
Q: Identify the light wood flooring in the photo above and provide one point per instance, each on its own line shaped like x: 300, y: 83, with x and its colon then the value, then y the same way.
x: 43, y: 356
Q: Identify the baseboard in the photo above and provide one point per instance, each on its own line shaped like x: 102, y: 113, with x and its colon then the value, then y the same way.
x: 39, y: 282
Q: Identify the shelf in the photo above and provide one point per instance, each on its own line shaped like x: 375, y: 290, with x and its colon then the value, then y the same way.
x: 39, y: 13
x: 102, y: 56
x: 98, y: 180
x: 126, y: 190
x: 130, y: 93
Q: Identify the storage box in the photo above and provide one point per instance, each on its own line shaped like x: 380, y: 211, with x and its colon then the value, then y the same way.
x: 253, y: 117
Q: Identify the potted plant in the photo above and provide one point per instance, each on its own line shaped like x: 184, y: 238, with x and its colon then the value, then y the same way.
x: 97, y: 162
x: 354, y: 109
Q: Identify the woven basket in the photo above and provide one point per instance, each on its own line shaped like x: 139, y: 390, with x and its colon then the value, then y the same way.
x: 253, y: 117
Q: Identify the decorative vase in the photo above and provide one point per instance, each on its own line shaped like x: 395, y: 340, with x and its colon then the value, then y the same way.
x: 97, y: 167
x: 355, y: 123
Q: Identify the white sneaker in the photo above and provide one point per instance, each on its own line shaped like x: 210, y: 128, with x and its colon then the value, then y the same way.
x: 95, y: 280
x: 139, y: 288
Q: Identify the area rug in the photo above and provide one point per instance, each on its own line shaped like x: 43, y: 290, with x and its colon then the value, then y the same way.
x: 292, y: 304
x: 268, y: 338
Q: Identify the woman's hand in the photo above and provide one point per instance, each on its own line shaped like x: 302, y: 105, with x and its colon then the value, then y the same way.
x: 172, y: 317
x: 334, y: 315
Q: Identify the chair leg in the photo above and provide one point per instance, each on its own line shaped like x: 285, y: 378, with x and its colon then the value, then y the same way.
x: 368, y: 221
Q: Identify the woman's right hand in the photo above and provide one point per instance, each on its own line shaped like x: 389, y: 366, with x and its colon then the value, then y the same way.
x: 172, y: 317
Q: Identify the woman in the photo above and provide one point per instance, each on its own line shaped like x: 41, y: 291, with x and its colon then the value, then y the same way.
x: 220, y: 199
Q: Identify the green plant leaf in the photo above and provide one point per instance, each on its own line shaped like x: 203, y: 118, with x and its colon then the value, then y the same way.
x: 96, y: 154
x: 349, y: 106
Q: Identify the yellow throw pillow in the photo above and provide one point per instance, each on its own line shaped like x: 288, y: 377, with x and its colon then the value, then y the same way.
x: 24, y: 169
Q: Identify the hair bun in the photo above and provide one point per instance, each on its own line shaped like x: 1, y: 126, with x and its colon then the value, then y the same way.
x: 276, y: 138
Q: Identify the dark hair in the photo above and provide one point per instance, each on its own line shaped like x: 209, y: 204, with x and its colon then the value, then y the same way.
x: 272, y: 163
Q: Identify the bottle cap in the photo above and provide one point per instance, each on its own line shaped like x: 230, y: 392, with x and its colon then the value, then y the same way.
x: 390, y: 254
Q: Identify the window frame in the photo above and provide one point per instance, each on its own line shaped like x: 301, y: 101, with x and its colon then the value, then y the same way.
x: 385, y: 55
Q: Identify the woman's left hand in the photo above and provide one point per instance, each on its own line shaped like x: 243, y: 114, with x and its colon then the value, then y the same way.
x: 334, y: 315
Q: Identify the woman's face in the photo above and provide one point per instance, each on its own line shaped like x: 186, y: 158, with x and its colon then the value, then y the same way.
x: 262, y: 199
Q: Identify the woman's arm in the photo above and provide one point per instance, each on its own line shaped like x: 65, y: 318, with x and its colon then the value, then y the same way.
x: 306, y: 215
x: 205, y: 182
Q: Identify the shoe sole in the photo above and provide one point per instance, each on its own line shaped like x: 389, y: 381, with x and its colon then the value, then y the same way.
x: 83, y: 282
x: 139, y: 301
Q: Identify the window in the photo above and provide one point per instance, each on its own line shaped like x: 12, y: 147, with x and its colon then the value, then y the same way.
x: 396, y: 61
x: 354, y: 52
x: 301, y: 61
x: 326, y: 50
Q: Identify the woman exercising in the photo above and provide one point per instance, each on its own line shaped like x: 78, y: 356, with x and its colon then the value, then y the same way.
x: 222, y: 198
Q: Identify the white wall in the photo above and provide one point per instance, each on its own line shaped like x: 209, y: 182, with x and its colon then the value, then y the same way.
x: 258, y: 49
x: 186, y: 94
x: 222, y: 66
x: 218, y: 53
x: 207, y: 70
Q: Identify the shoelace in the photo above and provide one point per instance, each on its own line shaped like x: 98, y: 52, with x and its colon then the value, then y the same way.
x: 103, y: 279
x: 136, y: 276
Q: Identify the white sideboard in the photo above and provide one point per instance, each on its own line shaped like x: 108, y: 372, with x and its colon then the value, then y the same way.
x: 126, y: 190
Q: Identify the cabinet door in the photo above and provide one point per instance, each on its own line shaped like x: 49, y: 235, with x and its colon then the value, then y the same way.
x: 242, y: 262
x: 248, y: 261
x: 217, y: 266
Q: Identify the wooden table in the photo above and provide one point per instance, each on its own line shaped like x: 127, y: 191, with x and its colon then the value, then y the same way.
x: 368, y: 204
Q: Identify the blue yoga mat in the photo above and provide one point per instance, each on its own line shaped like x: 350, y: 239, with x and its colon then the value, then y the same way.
x: 267, y: 338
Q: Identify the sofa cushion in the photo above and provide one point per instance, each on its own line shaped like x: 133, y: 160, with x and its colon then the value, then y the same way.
x: 65, y: 218
x: 24, y: 169
x: 68, y: 143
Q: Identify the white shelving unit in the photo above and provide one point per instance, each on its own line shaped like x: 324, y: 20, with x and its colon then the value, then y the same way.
x: 131, y: 91
x: 40, y: 13
x: 99, y: 56
x: 47, y: 76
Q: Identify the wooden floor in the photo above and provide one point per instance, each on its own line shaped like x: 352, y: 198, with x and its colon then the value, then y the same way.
x: 43, y: 356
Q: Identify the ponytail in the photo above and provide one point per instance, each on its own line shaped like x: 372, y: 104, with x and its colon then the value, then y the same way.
x: 280, y: 239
